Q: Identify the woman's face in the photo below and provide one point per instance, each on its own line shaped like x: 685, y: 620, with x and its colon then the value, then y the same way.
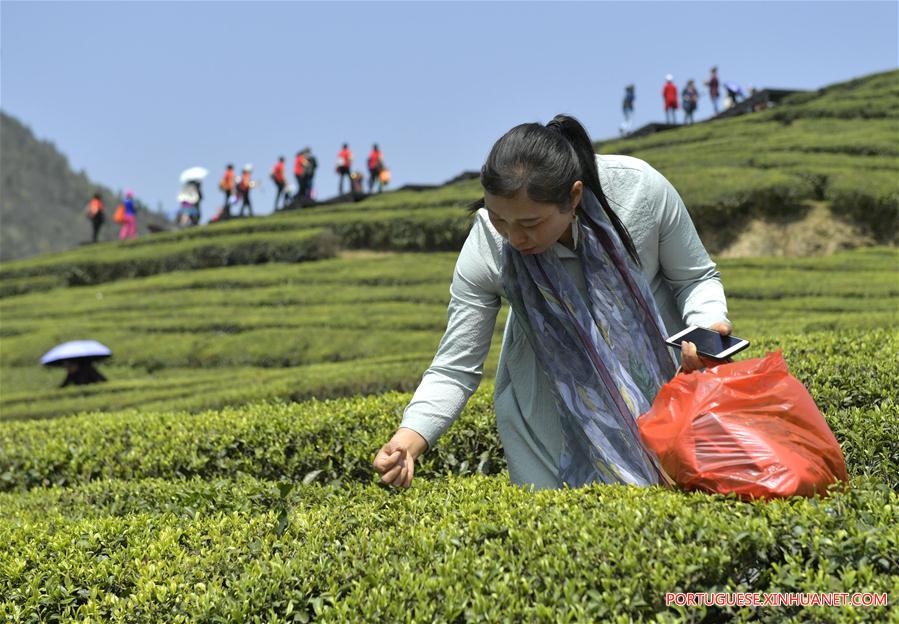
x: 530, y: 226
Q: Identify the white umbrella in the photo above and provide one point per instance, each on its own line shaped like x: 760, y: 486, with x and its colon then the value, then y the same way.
x: 76, y: 349
x: 194, y: 173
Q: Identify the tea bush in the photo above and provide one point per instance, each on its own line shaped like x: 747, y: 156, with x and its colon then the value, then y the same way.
x: 455, y: 549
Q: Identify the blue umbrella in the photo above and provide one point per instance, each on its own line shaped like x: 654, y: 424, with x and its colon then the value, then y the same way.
x: 75, y: 350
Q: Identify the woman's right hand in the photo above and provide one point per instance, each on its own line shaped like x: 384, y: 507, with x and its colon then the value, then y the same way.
x: 395, y: 462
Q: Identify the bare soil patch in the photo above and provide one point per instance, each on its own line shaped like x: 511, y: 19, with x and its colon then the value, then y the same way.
x: 818, y: 232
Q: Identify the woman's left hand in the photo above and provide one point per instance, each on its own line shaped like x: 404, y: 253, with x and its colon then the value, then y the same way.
x: 691, y: 360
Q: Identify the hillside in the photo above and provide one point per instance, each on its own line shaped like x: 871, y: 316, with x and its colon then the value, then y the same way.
x: 42, y: 200
x: 223, y: 473
x: 816, y: 174
x: 836, y: 150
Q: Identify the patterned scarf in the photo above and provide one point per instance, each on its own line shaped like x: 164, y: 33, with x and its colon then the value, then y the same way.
x: 606, y: 358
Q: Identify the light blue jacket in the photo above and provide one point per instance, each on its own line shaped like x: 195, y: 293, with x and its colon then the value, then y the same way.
x: 684, y: 280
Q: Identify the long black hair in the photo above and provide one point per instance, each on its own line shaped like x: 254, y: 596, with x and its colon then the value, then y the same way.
x: 546, y: 161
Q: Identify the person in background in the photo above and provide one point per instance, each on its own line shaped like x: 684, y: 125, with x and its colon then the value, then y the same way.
x: 734, y: 94
x: 189, y: 201
x: 129, y: 221
x: 95, y: 214
x: 690, y: 99
x: 627, y: 107
x: 279, y: 179
x: 669, y: 93
x: 244, y: 187
x: 227, y: 186
x: 760, y: 104
x: 311, y: 164
x: 81, y: 372
x: 375, y: 166
x: 344, y: 164
x: 299, y: 172
x: 195, y: 215
x: 714, y: 88
x: 599, y: 261
x: 356, y: 183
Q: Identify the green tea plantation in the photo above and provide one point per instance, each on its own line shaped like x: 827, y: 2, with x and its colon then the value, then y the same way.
x: 223, y: 473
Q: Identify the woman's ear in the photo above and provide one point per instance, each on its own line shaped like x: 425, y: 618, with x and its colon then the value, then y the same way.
x: 577, y: 191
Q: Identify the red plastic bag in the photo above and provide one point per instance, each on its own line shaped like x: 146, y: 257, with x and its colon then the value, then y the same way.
x: 746, y: 427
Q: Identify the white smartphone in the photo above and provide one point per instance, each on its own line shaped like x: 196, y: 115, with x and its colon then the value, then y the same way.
x: 709, y: 343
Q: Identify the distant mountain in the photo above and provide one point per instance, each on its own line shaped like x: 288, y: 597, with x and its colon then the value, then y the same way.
x: 42, y: 200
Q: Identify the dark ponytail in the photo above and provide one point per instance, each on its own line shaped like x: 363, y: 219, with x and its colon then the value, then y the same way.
x: 547, y: 161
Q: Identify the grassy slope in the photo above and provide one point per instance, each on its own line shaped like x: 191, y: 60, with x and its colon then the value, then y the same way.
x: 838, y: 145
x: 202, y: 339
x: 127, y: 537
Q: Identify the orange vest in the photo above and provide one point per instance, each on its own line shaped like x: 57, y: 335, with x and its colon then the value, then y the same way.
x: 228, y: 181
x: 95, y: 206
x: 278, y: 172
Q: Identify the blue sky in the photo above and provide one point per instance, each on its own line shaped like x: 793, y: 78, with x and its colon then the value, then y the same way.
x: 134, y: 92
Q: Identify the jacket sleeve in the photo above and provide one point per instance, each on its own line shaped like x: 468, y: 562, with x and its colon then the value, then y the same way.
x: 683, y: 260
x: 458, y: 366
